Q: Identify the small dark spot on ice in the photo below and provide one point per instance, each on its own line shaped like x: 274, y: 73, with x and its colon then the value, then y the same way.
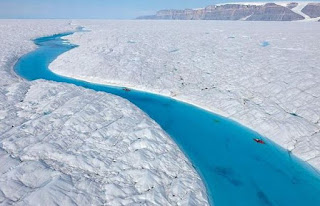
x: 46, y: 113
x: 294, y: 114
x: 174, y: 50
x: 245, y: 101
x: 231, y: 37
x: 126, y: 89
x: 131, y: 42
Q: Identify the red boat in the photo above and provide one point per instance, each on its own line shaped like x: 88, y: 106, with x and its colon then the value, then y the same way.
x: 260, y: 141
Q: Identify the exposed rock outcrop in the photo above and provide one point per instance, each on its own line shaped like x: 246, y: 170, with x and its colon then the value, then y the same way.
x: 266, y: 12
x: 312, y: 10
x: 274, y: 12
x: 292, y: 5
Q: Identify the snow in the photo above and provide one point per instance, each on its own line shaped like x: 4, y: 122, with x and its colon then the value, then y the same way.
x: 281, y: 3
x: 65, y: 145
x: 245, y: 3
x: 297, y: 9
x: 220, y: 66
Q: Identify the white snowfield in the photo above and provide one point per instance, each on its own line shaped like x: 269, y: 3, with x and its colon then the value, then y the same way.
x: 65, y: 145
x: 226, y: 67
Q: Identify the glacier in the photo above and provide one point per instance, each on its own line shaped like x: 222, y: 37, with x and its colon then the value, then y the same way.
x: 219, y: 66
x: 62, y: 144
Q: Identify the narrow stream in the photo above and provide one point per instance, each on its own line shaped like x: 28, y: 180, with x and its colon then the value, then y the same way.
x: 236, y: 170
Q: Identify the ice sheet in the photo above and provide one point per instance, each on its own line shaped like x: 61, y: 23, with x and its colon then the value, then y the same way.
x: 220, y: 66
x: 62, y: 144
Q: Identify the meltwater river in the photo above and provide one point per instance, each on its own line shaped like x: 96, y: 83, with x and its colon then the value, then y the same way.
x: 236, y: 170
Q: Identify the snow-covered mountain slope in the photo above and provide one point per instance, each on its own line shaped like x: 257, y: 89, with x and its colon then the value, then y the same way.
x: 65, y: 145
x: 246, y: 11
x: 264, y: 75
x: 295, y: 6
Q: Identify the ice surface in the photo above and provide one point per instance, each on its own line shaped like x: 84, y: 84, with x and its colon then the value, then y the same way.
x: 65, y: 145
x: 220, y: 66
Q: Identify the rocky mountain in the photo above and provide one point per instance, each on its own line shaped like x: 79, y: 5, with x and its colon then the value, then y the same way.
x: 249, y: 12
x: 312, y: 10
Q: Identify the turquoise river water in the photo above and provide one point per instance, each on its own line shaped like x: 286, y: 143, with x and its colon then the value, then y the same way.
x: 236, y: 170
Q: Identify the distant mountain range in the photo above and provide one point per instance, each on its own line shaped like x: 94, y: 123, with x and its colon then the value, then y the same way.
x: 282, y: 11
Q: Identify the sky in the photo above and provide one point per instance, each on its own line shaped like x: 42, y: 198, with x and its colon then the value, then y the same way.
x: 95, y: 9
